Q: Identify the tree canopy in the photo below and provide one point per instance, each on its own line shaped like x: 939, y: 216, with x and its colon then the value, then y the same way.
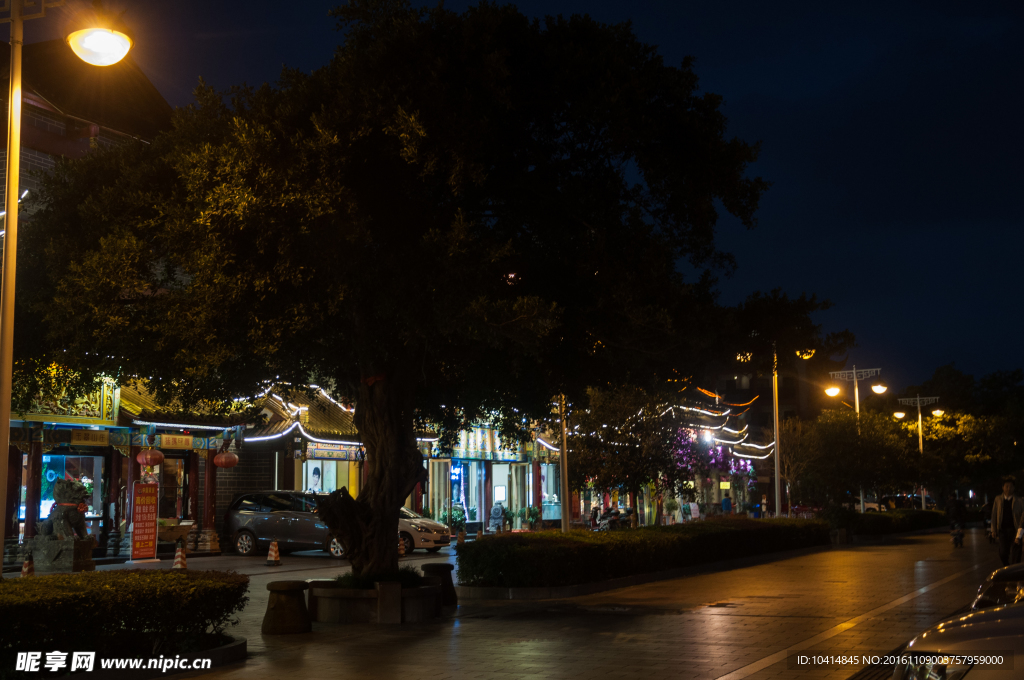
x: 459, y: 216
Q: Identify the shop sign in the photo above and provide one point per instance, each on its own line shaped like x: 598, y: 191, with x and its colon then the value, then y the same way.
x: 695, y: 510
x: 332, y: 451
x: 144, y: 510
x: 456, y: 473
x: 725, y: 485
x: 90, y: 437
x: 175, y: 441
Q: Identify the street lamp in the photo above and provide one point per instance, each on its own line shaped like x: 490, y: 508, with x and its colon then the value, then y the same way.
x: 878, y: 387
x: 97, y: 39
x: 801, y: 354
x: 920, y: 401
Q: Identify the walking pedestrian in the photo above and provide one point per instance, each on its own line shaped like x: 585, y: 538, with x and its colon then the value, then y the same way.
x: 726, y: 505
x: 1007, y: 513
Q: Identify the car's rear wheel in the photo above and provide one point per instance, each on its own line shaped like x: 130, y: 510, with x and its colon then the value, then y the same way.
x: 407, y: 542
x: 245, y: 543
x: 334, y: 547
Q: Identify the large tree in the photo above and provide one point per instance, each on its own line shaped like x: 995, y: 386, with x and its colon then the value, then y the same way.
x: 458, y: 217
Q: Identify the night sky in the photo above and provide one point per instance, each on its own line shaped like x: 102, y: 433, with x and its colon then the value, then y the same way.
x: 891, y: 131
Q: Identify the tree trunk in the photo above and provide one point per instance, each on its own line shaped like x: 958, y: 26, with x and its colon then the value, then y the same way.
x: 367, y: 526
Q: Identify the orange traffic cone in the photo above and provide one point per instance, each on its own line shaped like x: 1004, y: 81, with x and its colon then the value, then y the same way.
x: 179, y: 557
x: 273, y: 557
x: 28, y: 567
x: 401, y: 547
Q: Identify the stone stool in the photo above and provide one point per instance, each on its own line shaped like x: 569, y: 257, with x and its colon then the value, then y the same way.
x: 286, y: 610
x: 443, y: 572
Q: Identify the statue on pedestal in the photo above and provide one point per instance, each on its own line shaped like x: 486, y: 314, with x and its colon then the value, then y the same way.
x: 62, y: 541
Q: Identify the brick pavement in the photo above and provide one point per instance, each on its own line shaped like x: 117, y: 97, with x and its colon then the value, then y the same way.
x: 859, y: 599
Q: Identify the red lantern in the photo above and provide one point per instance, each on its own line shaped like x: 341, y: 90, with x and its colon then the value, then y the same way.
x: 150, y: 457
x: 226, y: 459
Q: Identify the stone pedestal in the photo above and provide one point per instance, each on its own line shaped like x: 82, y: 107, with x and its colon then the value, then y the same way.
x: 114, y: 544
x: 208, y: 541
x: 126, y: 544
x: 67, y: 555
x: 192, y: 540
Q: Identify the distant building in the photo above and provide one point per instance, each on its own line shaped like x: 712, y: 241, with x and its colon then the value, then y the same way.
x: 70, y: 107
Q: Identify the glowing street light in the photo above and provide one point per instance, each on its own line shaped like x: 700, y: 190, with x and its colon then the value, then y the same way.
x: 856, y: 376
x: 900, y: 414
x: 920, y: 401
x: 98, y: 39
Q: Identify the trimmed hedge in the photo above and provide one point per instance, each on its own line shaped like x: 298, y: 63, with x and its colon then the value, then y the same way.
x: 898, y: 521
x: 551, y: 559
x: 138, y: 611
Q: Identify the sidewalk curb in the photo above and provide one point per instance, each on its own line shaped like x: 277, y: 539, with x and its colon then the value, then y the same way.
x: 477, y: 593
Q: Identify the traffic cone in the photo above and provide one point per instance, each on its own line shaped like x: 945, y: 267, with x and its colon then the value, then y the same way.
x: 179, y: 557
x: 28, y: 567
x: 273, y: 557
x: 401, y: 547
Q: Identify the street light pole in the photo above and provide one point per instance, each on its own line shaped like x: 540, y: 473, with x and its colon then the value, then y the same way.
x: 7, y: 278
x: 856, y: 376
x: 98, y: 40
x: 775, y: 411
x: 564, y: 466
x: 920, y: 401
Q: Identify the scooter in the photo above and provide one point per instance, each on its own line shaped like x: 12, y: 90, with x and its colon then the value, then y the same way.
x: 613, y: 520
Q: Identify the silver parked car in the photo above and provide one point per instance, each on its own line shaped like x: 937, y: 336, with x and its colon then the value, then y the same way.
x: 256, y: 519
x: 985, y: 641
x: 1004, y: 586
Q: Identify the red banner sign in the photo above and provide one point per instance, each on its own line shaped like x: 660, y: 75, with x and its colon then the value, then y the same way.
x: 144, y: 511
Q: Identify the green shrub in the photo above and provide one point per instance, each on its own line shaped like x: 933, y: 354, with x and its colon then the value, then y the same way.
x: 839, y: 517
x: 148, y: 611
x: 897, y: 521
x: 409, y: 577
x: 550, y: 559
x: 455, y: 519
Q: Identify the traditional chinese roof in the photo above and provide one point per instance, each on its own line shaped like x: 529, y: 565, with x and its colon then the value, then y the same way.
x: 138, y: 404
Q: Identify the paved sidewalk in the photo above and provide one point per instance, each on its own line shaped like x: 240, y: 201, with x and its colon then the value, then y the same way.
x: 730, y: 624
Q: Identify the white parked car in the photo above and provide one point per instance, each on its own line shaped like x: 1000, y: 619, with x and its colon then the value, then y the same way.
x: 416, y: 531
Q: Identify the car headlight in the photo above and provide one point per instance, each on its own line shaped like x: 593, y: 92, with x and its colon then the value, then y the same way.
x: 932, y: 671
x: 420, y: 529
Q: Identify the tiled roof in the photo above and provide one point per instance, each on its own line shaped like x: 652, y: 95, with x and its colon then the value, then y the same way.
x: 138, y: 404
x: 119, y: 97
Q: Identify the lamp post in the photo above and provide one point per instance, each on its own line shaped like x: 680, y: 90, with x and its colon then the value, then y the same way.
x: 856, y: 376
x: 801, y: 354
x: 920, y: 401
x: 564, y: 468
x: 97, y: 39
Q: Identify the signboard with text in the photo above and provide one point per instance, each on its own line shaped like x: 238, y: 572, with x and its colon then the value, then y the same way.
x: 90, y: 438
x: 144, y: 521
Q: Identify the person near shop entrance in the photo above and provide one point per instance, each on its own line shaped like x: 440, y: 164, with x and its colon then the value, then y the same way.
x: 726, y: 504
x: 1007, y: 513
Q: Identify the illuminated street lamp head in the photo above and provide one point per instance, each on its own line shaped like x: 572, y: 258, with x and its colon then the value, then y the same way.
x: 900, y: 414
x: 98, y: 38
x: 938, y: 412
x: 879, y: 388
x: 804, y: 353
x: 832, y: 390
